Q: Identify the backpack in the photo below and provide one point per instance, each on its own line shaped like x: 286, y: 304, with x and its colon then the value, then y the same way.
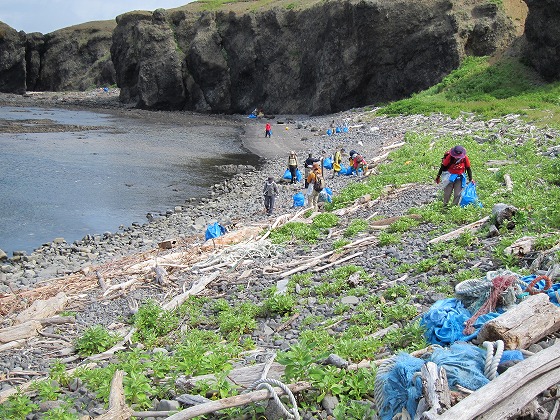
x: 269, y: 189
x: 319, y: 183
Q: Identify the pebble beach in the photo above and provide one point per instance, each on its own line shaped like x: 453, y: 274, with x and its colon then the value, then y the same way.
x: 235, y: 203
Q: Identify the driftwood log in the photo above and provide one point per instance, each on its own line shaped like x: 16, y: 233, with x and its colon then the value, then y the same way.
x: 118, y: 410
x: 458, y: 232
x: 506, y: 395
x: 196, y: 288
x: 235, y: 401
x: 523, y: 324
x: 43, y: 308
x: 436, y: 397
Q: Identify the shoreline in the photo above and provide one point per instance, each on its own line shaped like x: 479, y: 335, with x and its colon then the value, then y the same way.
x: 189, y: 219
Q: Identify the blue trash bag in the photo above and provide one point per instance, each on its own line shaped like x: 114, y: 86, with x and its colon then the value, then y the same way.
x: 325, y: 195
x: 327, y: 163
x: 298, y: 175
x: 287, y: 174
x: 329, y: 132
x: 345, y: 129
x: 214, y: 230
x: 469, y: 196
x: 299, y: 200
x: 337, y: 130
x: 349, y: 171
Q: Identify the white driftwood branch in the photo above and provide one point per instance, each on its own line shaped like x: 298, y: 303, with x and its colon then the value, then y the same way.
x: 235, y: 401
x: 349, y: 257
x: 196, y: 288
x: 118, y: 410
x: 456, y: 233
x: 508, y: 182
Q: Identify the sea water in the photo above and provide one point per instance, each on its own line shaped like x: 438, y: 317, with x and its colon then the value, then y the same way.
x: 70, y: 184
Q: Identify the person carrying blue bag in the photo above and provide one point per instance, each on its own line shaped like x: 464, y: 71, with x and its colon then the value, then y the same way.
x: 293, y: 166
x: 455, y: 162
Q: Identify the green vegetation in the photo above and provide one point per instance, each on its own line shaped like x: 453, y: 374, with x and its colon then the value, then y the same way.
x: 94, y: 340
x: 356, y: 226
x: 489, y: 91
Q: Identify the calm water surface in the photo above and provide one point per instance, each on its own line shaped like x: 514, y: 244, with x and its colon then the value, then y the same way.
x: 76, y: 183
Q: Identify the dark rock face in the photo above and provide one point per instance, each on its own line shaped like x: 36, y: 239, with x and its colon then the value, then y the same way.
x: 148, y: 68
x: 12, y: 60
x: 75, y: 59
x: 330, y: 57
x: 542, y: 29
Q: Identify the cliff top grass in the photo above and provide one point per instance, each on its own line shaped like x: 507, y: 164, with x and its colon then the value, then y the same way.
x: 488, y: 90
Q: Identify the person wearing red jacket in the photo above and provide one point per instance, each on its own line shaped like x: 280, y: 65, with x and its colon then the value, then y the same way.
x: 267, y: 130
x: 456, y: 162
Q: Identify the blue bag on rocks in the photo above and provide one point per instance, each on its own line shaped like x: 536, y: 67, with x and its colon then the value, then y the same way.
x: 469, y: 196
x: 287, y: 174
x: 327, y: 163
x: 299, y: 200
x: 214, y: 230
x: 298, y: 175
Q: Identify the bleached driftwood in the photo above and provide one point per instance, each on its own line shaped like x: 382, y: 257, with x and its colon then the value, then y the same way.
x: 523, y: 324
x: 242, y: 376
x: 394, y: 146
x: 510, y: 391
x: 235, y: 401
x: 456, y: 233
x: 12, y: 345
x: 120, y: 286
x: 436, y: 397
x: 118, y: 410
x: 521, y: 247
x: 390, y: 220
x: 508, y: 182
x: 20, y: 331
x: 117, y: 347
x: 196, y: 288
x: 349, y: 257
x: 43, y: 308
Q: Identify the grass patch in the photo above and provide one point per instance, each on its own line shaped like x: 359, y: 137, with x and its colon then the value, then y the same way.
x: 490, y: 91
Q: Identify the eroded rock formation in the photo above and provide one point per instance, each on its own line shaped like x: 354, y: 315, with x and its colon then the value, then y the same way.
x: 322, y: 59
x: 12, y: 60
x: 542, y: 29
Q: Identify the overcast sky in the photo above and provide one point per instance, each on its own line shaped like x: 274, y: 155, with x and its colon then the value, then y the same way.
x: 49, y: 15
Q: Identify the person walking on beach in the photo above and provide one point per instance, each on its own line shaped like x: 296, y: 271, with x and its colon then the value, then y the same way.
x: 308, y: 165
x: 317, y: 182
x: 270, y: 192
x: 337, y: 161
x: 293, y: 165
x: 456, y: 163
x: 267, y: 130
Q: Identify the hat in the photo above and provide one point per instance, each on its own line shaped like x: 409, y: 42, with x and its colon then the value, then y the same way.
x: 292, y: 152
x: 342, y: 149
x: 270, y: 179
x: 458, y: 152
x: 316, y: 165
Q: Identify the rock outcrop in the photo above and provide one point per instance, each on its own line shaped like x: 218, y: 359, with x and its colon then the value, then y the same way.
x: 542, y: 29
x: 12, y: 60
x: 74, y: 58
x: 320, y: 59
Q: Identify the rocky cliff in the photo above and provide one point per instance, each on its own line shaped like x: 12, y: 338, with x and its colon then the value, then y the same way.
x: 542, y: 29
x: 75, y: 58
x: 12, y: 60
x: 319, y: 59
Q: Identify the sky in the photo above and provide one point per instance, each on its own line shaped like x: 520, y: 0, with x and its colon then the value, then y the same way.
x: 49, y: 15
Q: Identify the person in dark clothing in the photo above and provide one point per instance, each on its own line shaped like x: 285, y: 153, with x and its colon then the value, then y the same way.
x: 308, y: 164
x: 456, y: 163
x: 270, y: 192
